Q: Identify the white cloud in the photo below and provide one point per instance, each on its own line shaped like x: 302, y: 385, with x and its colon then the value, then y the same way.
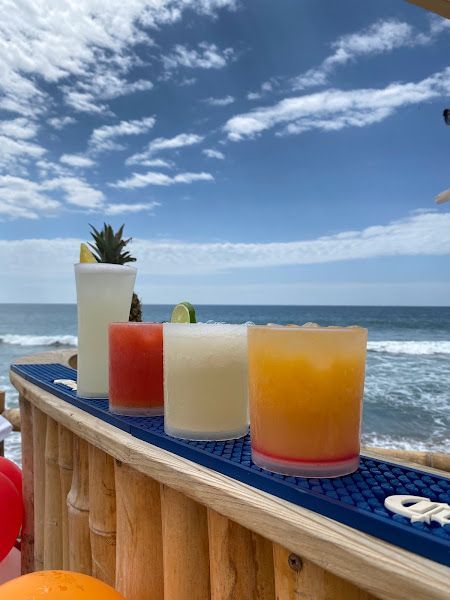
x: 139, y: 180
x: 161, y: 143
x: 76, y: 192
x: 61, y: 122
x: 85, y: 96
x: 187, y: 81
x: 438, y: 25
x: 21, y: 198
x: 48, y: 168
x: 420, y: 234
x: 381, y: 37
x: 157, y: 163
x: 120, y: 209
x: 424, y: 234
x: 334, y: 109
x: 19, y: 128
x: 266, y: 87
x: 208, y: 56
x: 103, y: 137
x: 16, y: 152
x: 91, y: 41
x: 179, y: 141
x: 211, y: 153
x: 76, y: 160
x: 225, y: 101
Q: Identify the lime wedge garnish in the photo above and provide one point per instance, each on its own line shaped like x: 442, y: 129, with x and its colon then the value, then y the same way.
x: 183, y: 313
x: 86, y: 255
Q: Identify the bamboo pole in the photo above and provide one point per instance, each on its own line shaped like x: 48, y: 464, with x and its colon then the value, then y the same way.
x: 297, y: 579
x: 53, y: 549
x: 12, y: 415
x: 139, y: 556
x: 65, y: 462
x: 185, y: 547
x: 39, y: 434
x: 78, y: 510
x: 102, y: 515
x: 241, y: 565
x: 27, y: 539
x: 439, y: 460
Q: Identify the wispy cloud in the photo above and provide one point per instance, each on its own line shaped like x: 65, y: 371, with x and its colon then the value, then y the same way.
x: 139, y: 180
x: 87, y: 96
x: 187, y: 81
x: 265, y: 88
x: 82, y: 40
x: 25, y: 199
x: 16, y: 152
x: 225, y: 101
x: 335, y: 109
x: 211, y: 153
x: 61, y: 122
x: 20, y: 198
x: 76, y: 191
x: 19, y: 128
x: 424, y: 234
x: 103, y: 138
x: 155, y: 163
x: 77, y: 160
x: 159, y: 144
x: 207, y: 56
x: 120, y: 209
x: 48, y: 168
x: 381, y: 37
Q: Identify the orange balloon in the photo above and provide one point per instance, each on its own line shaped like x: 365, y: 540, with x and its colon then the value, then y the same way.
x: 57, y: 585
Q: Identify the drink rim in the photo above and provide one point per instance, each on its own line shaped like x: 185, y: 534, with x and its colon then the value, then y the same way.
x: 328, y: 329
x: 200, y: 324
x: 134, y: 323
x: 103, y: 266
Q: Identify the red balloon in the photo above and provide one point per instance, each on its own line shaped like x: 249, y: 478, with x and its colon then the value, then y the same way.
x: 10, y: 515
x: 13, y: 473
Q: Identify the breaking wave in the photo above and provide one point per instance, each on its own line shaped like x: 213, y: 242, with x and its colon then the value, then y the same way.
x: 410, y: 347
x: 39, y: 340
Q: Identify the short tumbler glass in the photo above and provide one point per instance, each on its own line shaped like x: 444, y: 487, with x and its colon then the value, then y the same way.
x: 305, y: 390
x: 205, y: 381
x: 136, y: 369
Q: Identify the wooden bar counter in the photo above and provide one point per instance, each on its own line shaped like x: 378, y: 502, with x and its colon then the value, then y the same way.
x: 158, y: 526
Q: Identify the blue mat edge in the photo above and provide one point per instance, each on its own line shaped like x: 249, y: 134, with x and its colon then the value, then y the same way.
x: 395, y: 533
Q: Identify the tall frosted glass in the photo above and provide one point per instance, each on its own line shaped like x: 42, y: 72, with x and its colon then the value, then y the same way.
x: 205, y: 381
x: 104, y: 294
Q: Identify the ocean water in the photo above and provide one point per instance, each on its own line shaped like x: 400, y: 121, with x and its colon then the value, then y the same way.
x: 407, y: 390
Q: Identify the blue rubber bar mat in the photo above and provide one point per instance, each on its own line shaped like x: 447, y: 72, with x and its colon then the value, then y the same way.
x: 355, y: 500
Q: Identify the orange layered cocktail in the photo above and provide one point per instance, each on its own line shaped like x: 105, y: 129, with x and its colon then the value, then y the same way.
x: 305, y: 389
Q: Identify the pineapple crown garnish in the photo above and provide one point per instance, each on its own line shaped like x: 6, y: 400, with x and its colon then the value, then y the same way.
x: 109, y: 246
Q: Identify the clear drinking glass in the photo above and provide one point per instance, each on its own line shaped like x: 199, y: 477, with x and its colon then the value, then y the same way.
x: 205, y: 381
x: 306, y: 389
x: 104, y: 293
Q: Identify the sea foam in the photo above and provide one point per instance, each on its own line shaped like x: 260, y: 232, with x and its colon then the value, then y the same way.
x: 410, y: 347
x: 39, y: 340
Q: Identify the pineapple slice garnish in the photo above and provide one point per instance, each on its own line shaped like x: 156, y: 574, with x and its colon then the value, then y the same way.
x: 86, y: 255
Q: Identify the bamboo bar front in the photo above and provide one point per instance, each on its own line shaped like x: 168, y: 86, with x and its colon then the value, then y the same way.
x: 158, y: 526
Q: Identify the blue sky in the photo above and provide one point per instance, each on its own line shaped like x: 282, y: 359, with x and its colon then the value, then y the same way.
x: 258, y: 152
